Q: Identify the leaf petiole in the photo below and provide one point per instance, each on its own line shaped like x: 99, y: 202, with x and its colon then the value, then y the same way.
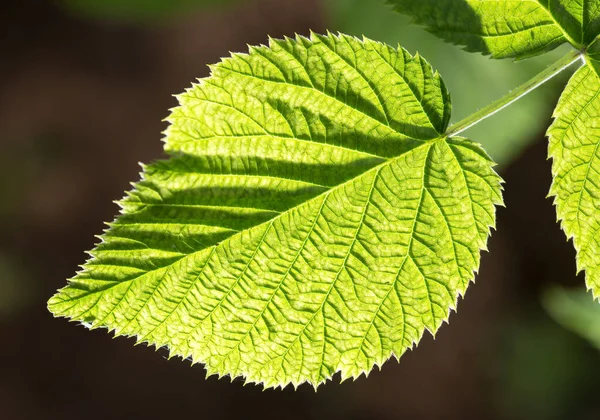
x: 558, y: 67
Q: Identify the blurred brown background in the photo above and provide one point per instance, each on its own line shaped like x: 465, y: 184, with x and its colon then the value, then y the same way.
x: 81, y: 102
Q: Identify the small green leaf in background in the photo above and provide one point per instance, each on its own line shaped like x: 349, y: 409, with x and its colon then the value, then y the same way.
x: 541, y: 371
x: 313, y: 217
x: 575, y: 311
x: 474, y: 80
x: 575, y: 150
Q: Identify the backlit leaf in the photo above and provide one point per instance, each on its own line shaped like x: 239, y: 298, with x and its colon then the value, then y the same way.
x: 575, y: 149
x: 507, y: 28
x: 313, y: 217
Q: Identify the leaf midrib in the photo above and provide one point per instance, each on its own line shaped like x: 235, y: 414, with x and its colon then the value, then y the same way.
x: 270, y: 221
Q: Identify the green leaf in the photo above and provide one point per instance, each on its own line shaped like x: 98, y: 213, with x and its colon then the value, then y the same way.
x: 313, y: 218
x: 592, y: 54
x: 507, y: 28
x: 575, y: 149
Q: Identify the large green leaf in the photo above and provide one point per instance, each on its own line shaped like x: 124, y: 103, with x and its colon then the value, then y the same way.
x: 313, y: 217
x: 507, y: 28
x: 575, y: 148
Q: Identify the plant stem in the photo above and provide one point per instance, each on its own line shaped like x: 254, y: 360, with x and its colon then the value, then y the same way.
x: 516, y: 94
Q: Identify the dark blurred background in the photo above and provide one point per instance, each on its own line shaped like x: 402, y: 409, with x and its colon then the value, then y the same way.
x: 84, y: 86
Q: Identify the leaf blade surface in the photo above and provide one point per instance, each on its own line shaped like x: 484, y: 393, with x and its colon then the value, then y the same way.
x: 575, y: 150
x: 313, y: 218
x: 507, y: 28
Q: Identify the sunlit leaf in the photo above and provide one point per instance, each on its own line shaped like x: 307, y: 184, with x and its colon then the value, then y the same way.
x: 575, y: 150
x: 507, y: 28
x: 313, y: 217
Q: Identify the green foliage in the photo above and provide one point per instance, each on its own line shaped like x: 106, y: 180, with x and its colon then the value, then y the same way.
x: 507, y: 28
x: 498, y: 28
x: 593, y: 54
x: 313, y: 217
x: 474, y: 79
x: 575, y: 150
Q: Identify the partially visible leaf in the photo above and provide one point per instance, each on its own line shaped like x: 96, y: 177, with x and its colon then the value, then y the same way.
x: 580, y: 18
x: 575, y: 150
x: 313, y: 217
x: 593, y: 54
x: 507, y: 28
